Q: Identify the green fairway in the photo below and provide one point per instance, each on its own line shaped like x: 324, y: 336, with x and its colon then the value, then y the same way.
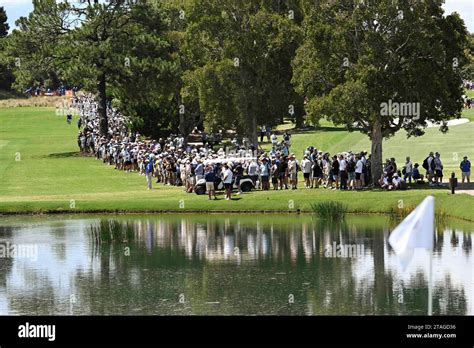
x: 40, y: 171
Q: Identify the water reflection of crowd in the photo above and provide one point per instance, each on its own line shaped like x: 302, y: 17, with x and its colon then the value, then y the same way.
x: 230, y: 240
x: 227, y: 239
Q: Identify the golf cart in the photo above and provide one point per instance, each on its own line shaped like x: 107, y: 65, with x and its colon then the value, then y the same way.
x: 246, y: 184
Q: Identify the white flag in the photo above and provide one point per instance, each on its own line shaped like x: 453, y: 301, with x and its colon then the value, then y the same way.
x: 415, y: 231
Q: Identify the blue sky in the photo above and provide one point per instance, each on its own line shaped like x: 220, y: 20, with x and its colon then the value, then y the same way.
x: 18, y: 8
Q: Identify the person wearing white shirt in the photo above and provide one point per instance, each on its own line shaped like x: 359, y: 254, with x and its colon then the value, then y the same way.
x: 306, y: 169
x: 359, y: 168
x: 227, y: 177
x: 343, y: 172
x: 438, y: 169
x: 274, y: 139
x: 396, y: 181
x: 252, y: 171
x: 408, y: 168
x: 292, y: 171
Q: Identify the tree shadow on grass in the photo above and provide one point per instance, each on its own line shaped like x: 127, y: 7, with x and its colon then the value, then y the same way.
x: 64, y: 154
x: 311, y: 130
x: 413, y: 187
x: 465, y: 186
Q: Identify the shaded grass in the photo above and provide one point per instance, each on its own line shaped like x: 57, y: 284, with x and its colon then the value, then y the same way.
x: 8, y: 95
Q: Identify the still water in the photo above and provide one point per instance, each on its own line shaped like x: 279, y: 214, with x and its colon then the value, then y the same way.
x: 228, y: 265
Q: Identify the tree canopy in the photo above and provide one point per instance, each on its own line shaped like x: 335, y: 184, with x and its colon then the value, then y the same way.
x: 113, y: 48
x: 376, y: 67
x: 5, y: 74
x: 241, y: 56
x: 379, y: 67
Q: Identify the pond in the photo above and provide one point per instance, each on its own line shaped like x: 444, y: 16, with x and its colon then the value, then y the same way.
x: 227, y: 265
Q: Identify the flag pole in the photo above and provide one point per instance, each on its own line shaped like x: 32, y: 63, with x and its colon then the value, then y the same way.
x: 417, y: 230
x: 430, y: 285
x: 430, y: 279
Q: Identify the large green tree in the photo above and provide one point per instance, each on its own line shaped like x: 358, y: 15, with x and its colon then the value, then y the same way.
x: 33, y: 49
x: 240, y: 54
x: 4, y: 27
x: 113, y: 48
x: 468, y: 71
x: 5, y: 74
x: 361, y: 60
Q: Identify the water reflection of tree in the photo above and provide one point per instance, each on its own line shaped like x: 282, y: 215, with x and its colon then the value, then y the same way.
x: 60, y: 230
x: 254, y: 268
x: 249, y: 267
x: 6, y: 264
x: 467, y: 243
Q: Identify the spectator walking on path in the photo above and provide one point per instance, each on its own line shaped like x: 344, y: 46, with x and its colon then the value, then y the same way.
x: 465, y: 170
x: 149, y: 171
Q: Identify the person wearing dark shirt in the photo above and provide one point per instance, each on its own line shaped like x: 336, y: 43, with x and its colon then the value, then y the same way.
x: 274, y: 173
x: 465, y: 167
x: 149, y: 169
x: 210, y: 178
x: 416, y: 173
x: 283, y: 173
x: 239, y: 173
x: 317, y: 173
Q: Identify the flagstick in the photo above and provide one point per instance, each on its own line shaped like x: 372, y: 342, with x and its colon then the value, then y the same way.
x: 430, y: 285
x: 430, y: 280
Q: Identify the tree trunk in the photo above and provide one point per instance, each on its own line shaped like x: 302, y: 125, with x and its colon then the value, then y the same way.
x: 254, y: 135
x: 182, y: 128
x: 299, y: 121
x: 252, y: 132
x: 299, y: 114
x: 376, y: 157
x: 102, y: 96
x: 182, y: 125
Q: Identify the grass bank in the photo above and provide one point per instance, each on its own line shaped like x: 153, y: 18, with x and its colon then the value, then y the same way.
x: 41, y: 172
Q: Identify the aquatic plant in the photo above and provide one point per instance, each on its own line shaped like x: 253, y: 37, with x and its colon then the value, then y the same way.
x: 329, y: 210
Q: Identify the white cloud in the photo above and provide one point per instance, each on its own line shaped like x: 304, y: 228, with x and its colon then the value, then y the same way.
x: 465, y: 8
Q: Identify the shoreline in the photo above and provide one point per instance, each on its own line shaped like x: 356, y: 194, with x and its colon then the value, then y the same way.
x: 51, y: 213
